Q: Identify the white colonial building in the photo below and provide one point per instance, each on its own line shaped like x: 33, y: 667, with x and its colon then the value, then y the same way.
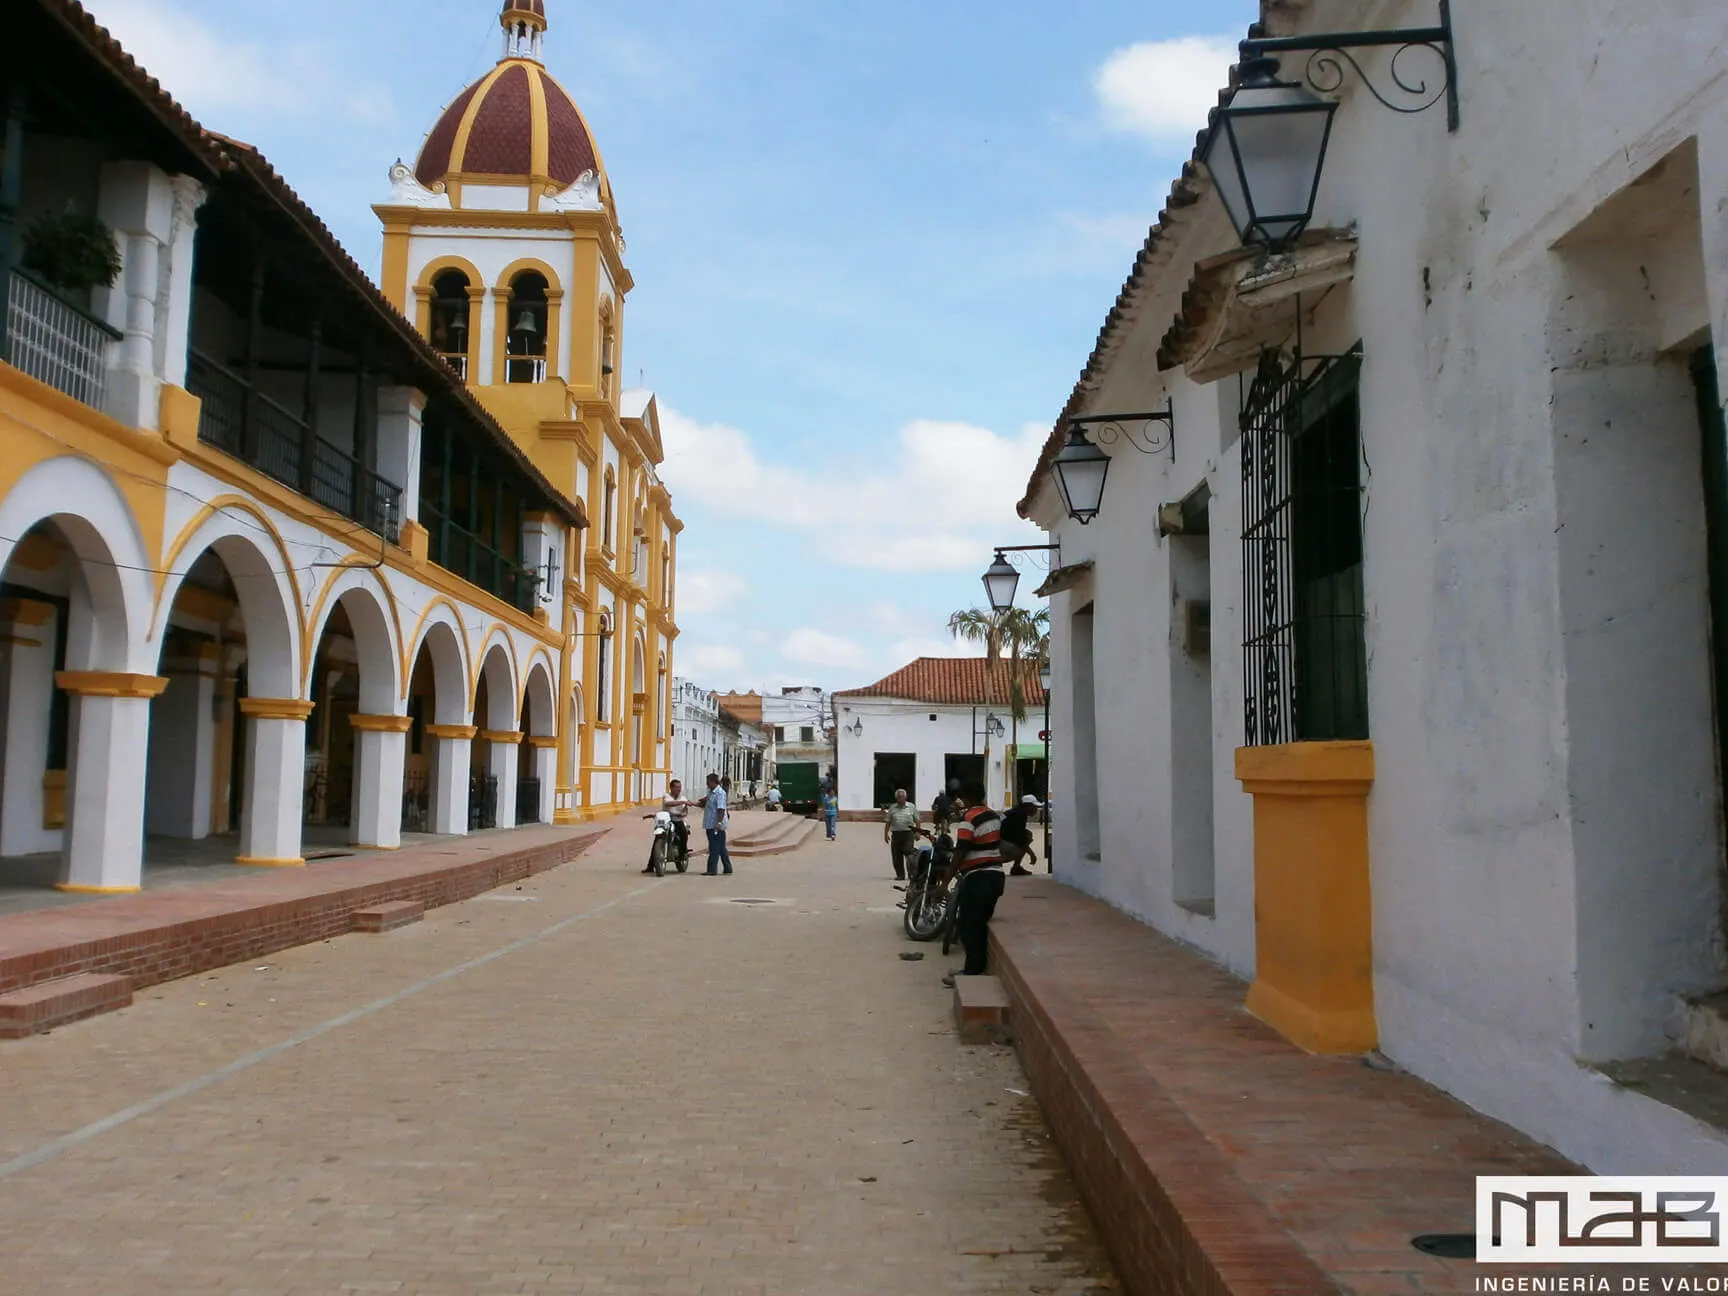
x: 697, y: 745
x: 930, y: 723
x: 267, y: 562
x: 1396, y: 684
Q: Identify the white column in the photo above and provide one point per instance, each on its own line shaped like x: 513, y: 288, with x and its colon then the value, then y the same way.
x: 137, y: 202
x: 105, y: 795
x: 174, y: 335
x: 503, y: 755
x: 451, y: 769
x: 183, y: 748
x: 546, y: 770
x: 274, y: 802
x: 400, y: 411
x: 27, y: 692
x: 380, y: 760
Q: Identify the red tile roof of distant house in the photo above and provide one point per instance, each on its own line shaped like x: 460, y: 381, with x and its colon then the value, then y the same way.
x: 955, y: 681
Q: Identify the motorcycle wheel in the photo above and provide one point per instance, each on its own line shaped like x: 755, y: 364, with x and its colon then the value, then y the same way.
x: 684, y: 861
x: 926, y: 914
x: 657, y: 857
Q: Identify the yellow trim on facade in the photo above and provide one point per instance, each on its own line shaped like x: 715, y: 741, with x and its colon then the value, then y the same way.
x: 505, y: 737
x: 177, y: 549
x: 454, y: 733
x: 380, y: 723
x: 545, y: 742
x: 1314, y: 951
x: 411, y: 647
x: 465, y: 128
x: 75, y: 888
x: 26, y: 611
x: 110, y: 684
x: 256, y: 861
x: 275, y: 708
x: 539, y: 134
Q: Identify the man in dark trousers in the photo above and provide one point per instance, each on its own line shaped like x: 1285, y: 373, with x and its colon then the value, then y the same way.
x: 978, y: 860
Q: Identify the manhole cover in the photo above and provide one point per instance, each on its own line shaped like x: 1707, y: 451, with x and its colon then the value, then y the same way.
x: 1448, y: 1246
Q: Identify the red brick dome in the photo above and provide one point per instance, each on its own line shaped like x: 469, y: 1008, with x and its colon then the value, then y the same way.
x: 515, y: 124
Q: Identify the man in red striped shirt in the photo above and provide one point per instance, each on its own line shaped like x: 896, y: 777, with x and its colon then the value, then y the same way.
x: 978, y: 860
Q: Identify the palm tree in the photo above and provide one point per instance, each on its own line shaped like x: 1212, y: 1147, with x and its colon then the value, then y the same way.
x: 1018, y: 633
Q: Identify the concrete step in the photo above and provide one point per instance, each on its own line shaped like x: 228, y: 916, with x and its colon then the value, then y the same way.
x: 981, y: 1010
x: 1704, y: 1030
x: 787, y: 833
x: 47, y: 1004
x: 388, y: 917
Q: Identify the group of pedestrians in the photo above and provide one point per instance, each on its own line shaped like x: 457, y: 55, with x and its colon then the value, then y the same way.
x: 985, y: 842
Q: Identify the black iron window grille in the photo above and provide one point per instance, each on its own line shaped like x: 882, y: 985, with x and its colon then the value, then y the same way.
x: 1304, y: 645
x: 416, y: 802
x: 527, y: 801
x: 482, y: 802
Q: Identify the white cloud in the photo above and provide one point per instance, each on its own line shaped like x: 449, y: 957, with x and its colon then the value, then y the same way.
x: 214, y: 72
x: 1164, y: 89
x: 908, y: 650
x: 711, y: 665
x: 895, y: 518
x: 819, y: 648
x: 703, y: 592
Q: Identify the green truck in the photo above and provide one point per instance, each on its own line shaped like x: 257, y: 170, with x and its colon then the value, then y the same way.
x: 800, y: 785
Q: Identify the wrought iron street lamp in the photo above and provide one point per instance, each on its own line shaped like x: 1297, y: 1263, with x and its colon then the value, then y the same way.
x: 1266, y: 146
x: 856, y: 728
x: 1265, y: 154
x: 1081, y: 469
x: 1001, y: 583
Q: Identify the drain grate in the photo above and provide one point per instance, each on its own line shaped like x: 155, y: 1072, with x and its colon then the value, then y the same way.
x: 1447, y: 1246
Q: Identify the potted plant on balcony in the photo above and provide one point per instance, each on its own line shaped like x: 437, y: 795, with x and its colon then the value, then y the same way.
x: 72, y: 250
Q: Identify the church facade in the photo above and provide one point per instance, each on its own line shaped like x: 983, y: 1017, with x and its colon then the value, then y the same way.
x: 503, y: 245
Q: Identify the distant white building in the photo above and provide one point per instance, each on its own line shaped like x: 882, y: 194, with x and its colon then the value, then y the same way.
x: 801, y: 723
x: 697, y: 747
x: 930, y: 722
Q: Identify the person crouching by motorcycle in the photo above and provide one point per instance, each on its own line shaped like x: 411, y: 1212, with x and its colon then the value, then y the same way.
x: 978, y: 861
x: 674, y: 804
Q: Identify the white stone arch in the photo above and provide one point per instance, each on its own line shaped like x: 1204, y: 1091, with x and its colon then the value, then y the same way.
x: 577, y: 721
x: 113, y: 588
x: 359, y: 592
x: 269, y: 605
x: 498, y: 669
x: 539, y: 706
x: 441, y: 634
x: 638, y: 685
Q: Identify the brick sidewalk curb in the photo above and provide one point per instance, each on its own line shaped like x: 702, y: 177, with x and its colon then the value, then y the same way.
x: 166, y: 950
x: 1173, y: 1213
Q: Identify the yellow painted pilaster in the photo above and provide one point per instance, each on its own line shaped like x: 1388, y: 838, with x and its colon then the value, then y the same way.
x: 1314, y: 980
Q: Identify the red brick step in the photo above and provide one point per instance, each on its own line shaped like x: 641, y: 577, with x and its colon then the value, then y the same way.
x: 42, y: 1007
x: 388, y: 917
x: 981, y: 1010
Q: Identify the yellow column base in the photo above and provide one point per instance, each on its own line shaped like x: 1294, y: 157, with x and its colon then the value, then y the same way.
x: 74, y: 888
x: 1313, y: 916
x: 252, y: 861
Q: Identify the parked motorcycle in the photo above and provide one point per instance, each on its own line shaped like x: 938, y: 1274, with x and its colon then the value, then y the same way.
x: 928, y: 889
x: 669, y: 845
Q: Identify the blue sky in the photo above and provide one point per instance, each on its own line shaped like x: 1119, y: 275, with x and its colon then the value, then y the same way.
x: 873, y: 245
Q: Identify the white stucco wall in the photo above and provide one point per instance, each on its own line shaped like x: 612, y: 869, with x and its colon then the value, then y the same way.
x: 899, y: 726
x: 1544, y: 826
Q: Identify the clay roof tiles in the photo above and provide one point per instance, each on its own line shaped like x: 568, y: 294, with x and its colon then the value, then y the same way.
x: 955, y: 681
x: 505, y: 128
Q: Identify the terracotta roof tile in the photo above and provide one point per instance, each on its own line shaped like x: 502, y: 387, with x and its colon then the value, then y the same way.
x: 955, y: 681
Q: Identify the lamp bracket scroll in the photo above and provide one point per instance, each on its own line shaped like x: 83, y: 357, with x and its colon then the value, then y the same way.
x: 1408, y: 93
x: 1138, y: 430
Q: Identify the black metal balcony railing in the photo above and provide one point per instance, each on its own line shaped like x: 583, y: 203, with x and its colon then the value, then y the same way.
x: 459, y: 550
x: 55, y: 341
x: 273, y: 441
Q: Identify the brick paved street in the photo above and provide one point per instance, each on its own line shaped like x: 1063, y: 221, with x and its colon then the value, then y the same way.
x: 591, y: 1082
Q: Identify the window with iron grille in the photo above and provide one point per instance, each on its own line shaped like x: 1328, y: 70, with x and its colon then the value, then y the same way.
x: 1304, y: 649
